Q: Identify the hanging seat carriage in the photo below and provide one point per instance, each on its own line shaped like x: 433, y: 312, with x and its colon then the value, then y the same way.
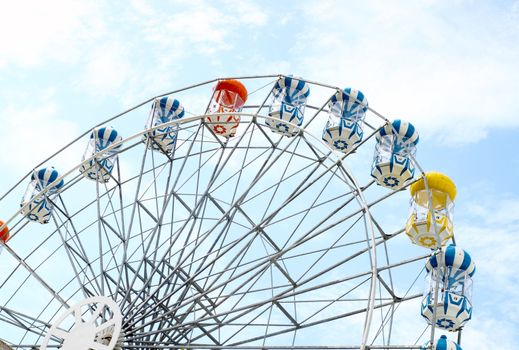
x: 344, y: 128
x: 163, y: 138
x: 452, y: 270
x: 286, y: 112
x: 40, y: 209
x: 394, y: 152
x: 100, y: 168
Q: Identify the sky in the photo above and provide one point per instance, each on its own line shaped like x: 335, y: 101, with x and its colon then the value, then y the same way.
x: 450, y: 67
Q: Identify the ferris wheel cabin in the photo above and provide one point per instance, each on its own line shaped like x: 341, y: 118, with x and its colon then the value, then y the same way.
x: 163, y: 138
x: 100, y: 168
x: 394, y: 152
x: 420, y: 227
x: 345, y: 120
x: 452, y: 271
x: 288, y: 106
x: 39, y: 209
x: 229, y: 96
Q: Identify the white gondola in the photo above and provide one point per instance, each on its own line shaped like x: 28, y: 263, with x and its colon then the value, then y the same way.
x: 163, y: 138
x: 100, y: 168
x: 452, y: 270
x: 345, y: 120
x: 40, y: 209
x: 396, y: 146
x: 287, y: 109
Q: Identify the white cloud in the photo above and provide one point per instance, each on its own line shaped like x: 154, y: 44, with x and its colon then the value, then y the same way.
x: 488, y: 228
x: 146, y: 49
x: 35, y: 32
x: 33, y: 131
x: 107, y: 70
x: 423, y: 62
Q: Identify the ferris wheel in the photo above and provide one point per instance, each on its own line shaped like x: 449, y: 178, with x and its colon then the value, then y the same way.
x: 226, y: 223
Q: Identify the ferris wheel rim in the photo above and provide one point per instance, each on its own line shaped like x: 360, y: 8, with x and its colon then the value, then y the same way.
x: 181, y: 121
x: 303, y: 131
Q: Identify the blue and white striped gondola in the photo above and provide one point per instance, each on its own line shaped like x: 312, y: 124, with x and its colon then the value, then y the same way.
x: 100, y: 168
x: 392, y: 164
x: 442, y: 344
x: 163, y: 138
x: 288, y: 105
x: 454, y: 307
x: 344, y: 127
x: 40, y: 209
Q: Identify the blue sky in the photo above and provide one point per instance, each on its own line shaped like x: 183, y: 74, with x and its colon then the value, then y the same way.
x: 450, y: 67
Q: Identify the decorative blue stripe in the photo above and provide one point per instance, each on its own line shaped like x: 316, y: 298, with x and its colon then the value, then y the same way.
x: 405, y: 130
x: 168, y: 109
x: 105, y: 136
x: 457, y: 260
x: 466, y: 262
x: 46, y: 176
x: 293, y: 89
x: 450, y: 255
x: 352, y: 102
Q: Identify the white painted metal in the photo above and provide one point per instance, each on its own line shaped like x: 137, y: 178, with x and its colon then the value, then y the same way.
x: 97, y: 325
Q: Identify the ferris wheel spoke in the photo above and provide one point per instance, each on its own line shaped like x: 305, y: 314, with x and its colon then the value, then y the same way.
x: 200, y: 204
x: 250, y: 281
x: 246, y: 325
x: 328, y: 249
x: 214, y: 176
x: 111, y: 248
x: 238, y: 207
x: 73, y: 259
x: 315, y: 151
x: 130, y: 226
x: 22, y: 321
x: 307, y: 210
x: 317, y: 112
x: 209, y: 317
x: 36, y: 276
x: 311, y: 207
x: 390, y: 314
x: 313, y: 324
x: 237, y: 257
x: 289, y: 293
x: 238, y: 173
x: 279, y: 182
x: 181, y: 286
x: 328, y: 304
x: 235, y: 192
x: 125, y: 299
x: 246, y: 310
x: 72, y: 235
x: 99, y: 225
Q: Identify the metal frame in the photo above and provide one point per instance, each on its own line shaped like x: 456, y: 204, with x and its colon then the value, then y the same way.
x: 172, y: 276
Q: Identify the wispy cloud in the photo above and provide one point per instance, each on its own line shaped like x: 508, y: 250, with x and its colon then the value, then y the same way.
x: 452, y: 76
x: 33, y: 131
x: 34, y: 33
